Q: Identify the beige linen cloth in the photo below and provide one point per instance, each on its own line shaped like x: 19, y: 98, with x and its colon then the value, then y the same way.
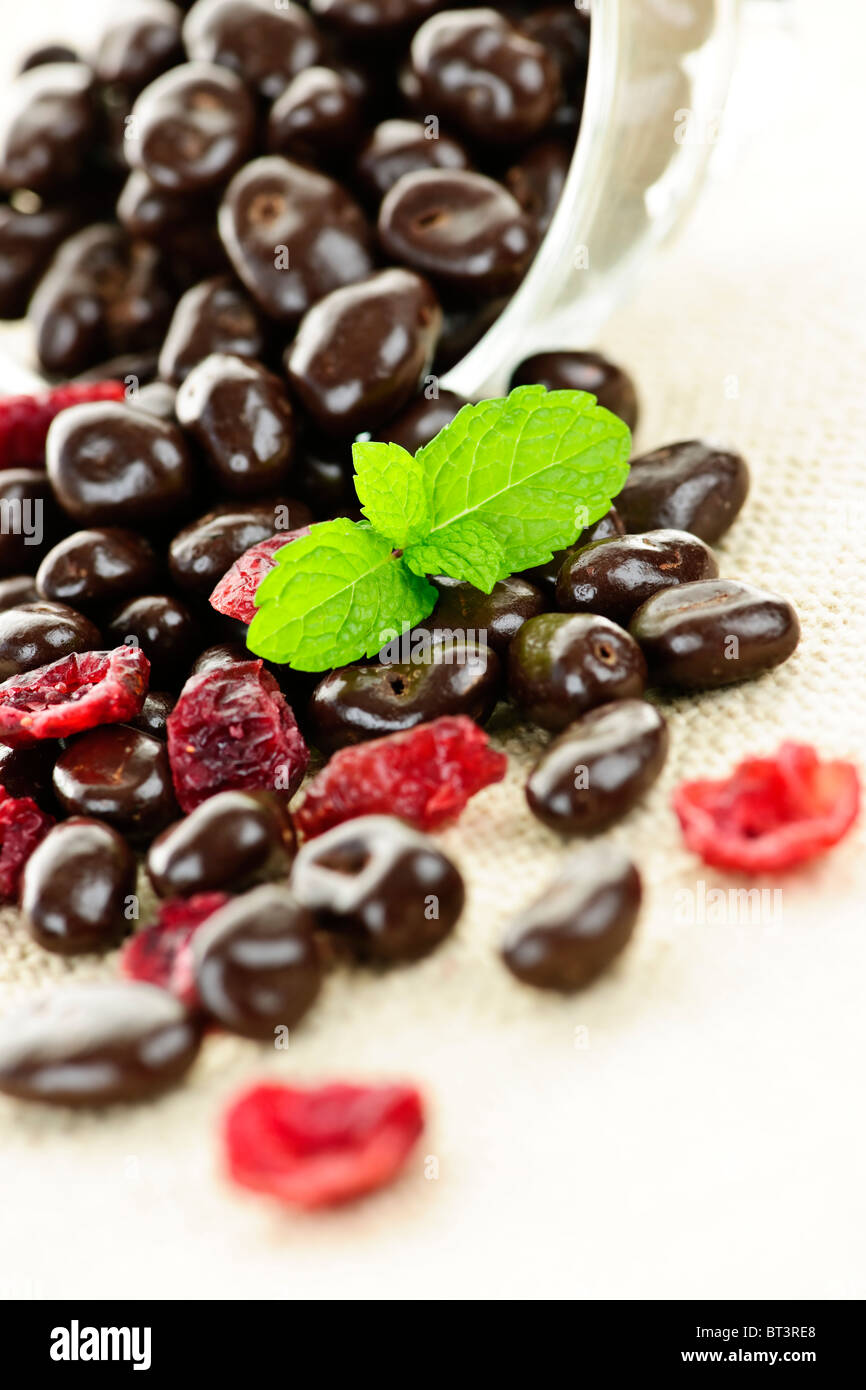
x: 693, y: 1125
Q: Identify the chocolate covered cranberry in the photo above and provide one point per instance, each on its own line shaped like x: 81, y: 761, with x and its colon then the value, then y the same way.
x: 153, y: 716
x: 227, y: 841
x: 397, y: 147
x: 215, y: 316
x: 536, y: 181
x: 494, y: 618
x: 35, y: 634
x: 292, y: 235
x: 421, y: 420
x: 257, y: 964
x: 47, y: 127
x: 546, y: 575
x: 480, y: 74
x: 562, y: 664
x: 94, y: 567
x: 17, y: 589
x: 711, y: 633
x: 459, y: 675
x: 77, y: 887
x: 691, y: 486
x: 265, y: 43
x: 182, y: 225
x: 385, y: 889
x: 162, y: 626
x: 599, y: 767
x: 137, y: 47
x: 317, y: 117
x: 119, y: 775
x: 220, y: 654
x: 564, y: 31
x: 241, y: 418
x: 372, y: 18
x: 612, y: 387
x: 31, y: 519
x: 29, y: 236
x: 109, y: 463
x: 27, y: 771
x: 584, y: 919
x: 201, y: 553
x: 191, y: 128
x: 615, y: 577
x: 462, y: 229
x: 361, y: 353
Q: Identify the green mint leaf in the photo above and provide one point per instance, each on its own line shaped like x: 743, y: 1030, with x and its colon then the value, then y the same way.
x: 535, y: 467
x: 467, y: 549
x: 392, y: 491
x: 332, y: 595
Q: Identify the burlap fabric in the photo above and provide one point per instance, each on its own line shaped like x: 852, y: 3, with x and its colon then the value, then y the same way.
x: 692, y: 1126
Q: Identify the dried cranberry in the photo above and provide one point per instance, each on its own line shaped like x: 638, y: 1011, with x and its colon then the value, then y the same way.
x: 73, y: 694
x: 162, y: 954
x: 315, y: 1148
x: 425, y: 776
x: 24, y: 420
x: 232, y: 729
x: 22, y: 826
x: 771, y: 813
x: 235, y: 592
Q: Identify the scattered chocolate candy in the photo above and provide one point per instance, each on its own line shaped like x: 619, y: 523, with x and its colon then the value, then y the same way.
x: 191, y: 128
x: 201, y: 553
x: 546, y: 575
x: 91, y: 568
x: 215, y: 316
x: 162, y: 626
x: 152, y: 718
x: 242, y: 420
x: 35, y: 634
x: 562, y: 664
x: 493, y: 618
x: 688, y: 487
x: 228, y: 841
x: 120, y: 776
x: 77, y: 889
x: 614, y: 577
x: 588, y: 371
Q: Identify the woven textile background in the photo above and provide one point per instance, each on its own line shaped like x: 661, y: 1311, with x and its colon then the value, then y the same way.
x: 693, y: 1125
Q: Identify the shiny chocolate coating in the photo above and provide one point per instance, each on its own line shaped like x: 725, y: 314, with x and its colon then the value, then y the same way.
x: 35, y: 634
x: 564, y: 31
x: 27, y: 771
x: 145, y: 209
x: 598, y: 767
x: 612, y: 387
x: 361, y: 353
x: 153, y: 716
x: 691, y: 486
x: 120, y: 776
x: 370, y: 700
x: 191, y: 128
x: 228, y: 841
x: 163, y: 627
x: 214, y: 316
x: 97, y: 566
x: 324, y: 477
x: 28, y: 240
x: 546, y: 575
x: 421, y: 420
x: 109, y: 463
x: 373, y: 19
x: 257, y: 964
x: 31, y: 518
x: 292, y: 235
x: 137, y: 47
x: 47, y: 127
x: 584, y: 920
x: 77, y: 887
x: 383, y: 888
x: 562, y: 664
x: 49, y: 53
x: 17, y: 589
x: 221, y: 654
x: 614, y: 577
x: 462, y: 229
x: 717, y: 631
x: 396, y: 147
x: 481, y: 75
x: 96, y: 1044
x: 201, y: 553
x: 494, y: 618
x: 317, y: 117
x: 536, y: 181
x: 265, y: 43
x: 241, y: 418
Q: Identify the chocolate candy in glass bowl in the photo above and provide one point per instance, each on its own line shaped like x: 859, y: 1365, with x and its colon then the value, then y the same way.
x: 384, y: 889
x: 562, y: 664
x: 564, y: 31
x: 201, y: 553
x: 537, y: 179
x: 264, y: 42
x: 599, y: 767
x: 47, y: 127
x: 30, y: 233
x: 714, y: 632
x: 31, y: 518
x: 136, y: 47
x: 583, y: 921
x: 118, y: 775
x: 377, y: 20
x: 35, y: 634
x: 396, y: 147
x: 421, y: 420
x: 546, y: 575
x: 96, y: 1044
x: 614, y: 577
x: 191, y: 128
x: 109, y: 463
x: 293, y: 235
x: 494, y: 618
x: 163, y: 627
x: 692, y: 486
x: 95, y: 567
x: 361, y: 353
x: 257, y: 963
x: 228, y: 841
x: 611, y: 385
x: 462, y: 229
x: 242, y: 419
x: 215, y: 316
x: 76, y: 893
x: 317, y: 118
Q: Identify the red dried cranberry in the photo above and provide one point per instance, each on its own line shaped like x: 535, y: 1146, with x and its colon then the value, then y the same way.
x: 24, y: 420
x: 22, y: 826
x: 315, y: 1148
x: 771, y: 813
x: 232, y: 729
x: 425, y: 776
x: 235, y: 592
x: 73, y: 694
x: 162, y: 953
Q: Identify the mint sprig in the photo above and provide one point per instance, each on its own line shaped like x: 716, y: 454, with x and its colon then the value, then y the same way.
x: 501, y: 487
